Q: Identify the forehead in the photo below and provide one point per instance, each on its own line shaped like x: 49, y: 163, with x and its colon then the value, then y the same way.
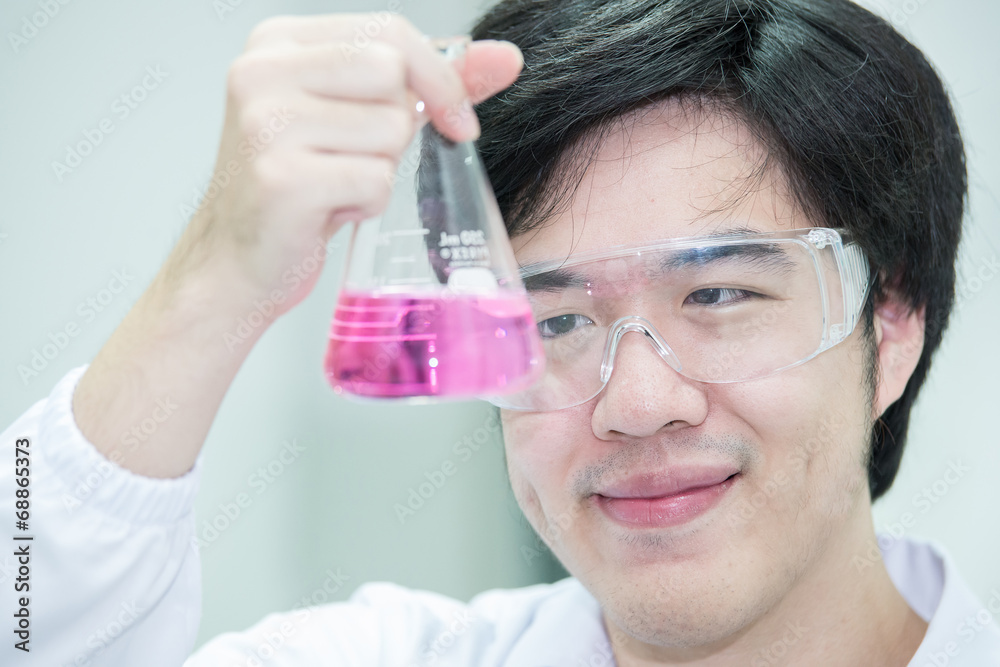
x: 668, y: 171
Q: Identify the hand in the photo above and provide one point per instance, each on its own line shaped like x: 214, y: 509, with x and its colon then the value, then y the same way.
x: 316, y: 122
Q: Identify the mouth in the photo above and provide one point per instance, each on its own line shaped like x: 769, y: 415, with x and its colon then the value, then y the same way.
x: 648, y: 501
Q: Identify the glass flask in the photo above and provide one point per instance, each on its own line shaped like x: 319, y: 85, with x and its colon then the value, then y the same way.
x: 432, y: 304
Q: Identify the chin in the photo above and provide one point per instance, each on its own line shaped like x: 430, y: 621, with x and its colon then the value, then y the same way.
x: 680, y: 607
x: 693, y: 585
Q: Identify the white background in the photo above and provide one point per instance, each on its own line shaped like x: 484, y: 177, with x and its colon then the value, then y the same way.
x: 332, y: 508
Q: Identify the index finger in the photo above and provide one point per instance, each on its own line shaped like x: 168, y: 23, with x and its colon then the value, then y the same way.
x: 429, y: 74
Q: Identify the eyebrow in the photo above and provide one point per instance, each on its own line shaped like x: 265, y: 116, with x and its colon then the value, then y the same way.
x: 769, y: 256
x: 557, y: 279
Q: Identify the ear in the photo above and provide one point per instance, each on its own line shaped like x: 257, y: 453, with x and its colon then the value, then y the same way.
x: 899, y: 337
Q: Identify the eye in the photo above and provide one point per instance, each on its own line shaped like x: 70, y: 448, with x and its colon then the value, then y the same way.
x: 719, y: 296
x: 561, y: 325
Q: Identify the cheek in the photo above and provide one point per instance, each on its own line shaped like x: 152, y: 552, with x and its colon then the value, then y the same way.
x: 813, y: 426
x: 542, y: 450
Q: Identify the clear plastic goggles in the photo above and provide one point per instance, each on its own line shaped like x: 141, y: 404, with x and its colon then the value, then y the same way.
x: 716, y: 309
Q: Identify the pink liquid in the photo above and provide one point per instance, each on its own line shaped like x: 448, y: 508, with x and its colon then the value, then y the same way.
x: 417, y: 345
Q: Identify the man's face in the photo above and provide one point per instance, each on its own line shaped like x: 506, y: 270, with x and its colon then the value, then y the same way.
x: 711, y: 561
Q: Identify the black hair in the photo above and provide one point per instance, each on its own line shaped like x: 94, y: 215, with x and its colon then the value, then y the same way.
x: 854, y: 114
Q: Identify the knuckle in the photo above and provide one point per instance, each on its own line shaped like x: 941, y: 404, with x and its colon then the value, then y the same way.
x: 253, y: 71
x: 387, y: 64
x: 398, y: 28
x: 370, y: 179
x: 396, y: 129
x: 246, y: 75
x: 253, y: 119
x: 237, y: 79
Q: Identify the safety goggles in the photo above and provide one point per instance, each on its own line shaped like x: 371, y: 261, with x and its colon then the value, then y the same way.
x: 716, y: 309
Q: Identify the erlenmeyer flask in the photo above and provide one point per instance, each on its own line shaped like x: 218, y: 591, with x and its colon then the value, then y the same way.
x: 432, y: 304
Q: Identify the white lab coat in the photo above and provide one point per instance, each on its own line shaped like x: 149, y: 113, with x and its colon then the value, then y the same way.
x: 115, y: 582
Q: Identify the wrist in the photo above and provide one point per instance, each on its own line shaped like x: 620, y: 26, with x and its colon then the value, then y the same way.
x: 213, y: 302
x: 260, y: 275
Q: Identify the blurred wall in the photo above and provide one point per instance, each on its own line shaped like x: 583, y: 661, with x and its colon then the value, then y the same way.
x: 946, y: 489
x: 327, y: 518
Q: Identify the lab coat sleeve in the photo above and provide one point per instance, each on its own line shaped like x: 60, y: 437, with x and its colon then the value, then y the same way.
x: 113, y: 578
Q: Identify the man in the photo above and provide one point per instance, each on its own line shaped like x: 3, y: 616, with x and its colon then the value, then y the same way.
x: 787, y: 182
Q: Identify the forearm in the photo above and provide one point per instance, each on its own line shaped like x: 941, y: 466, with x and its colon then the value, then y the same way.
x: 149, y: 397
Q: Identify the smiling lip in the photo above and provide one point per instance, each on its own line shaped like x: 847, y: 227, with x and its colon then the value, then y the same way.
x: 660, y: 501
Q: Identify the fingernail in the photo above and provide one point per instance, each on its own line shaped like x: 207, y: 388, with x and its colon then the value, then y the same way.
x: 511, y: 45
x: 517, y: 49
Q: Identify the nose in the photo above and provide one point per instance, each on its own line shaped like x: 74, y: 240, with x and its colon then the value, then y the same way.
x: 644, y: 393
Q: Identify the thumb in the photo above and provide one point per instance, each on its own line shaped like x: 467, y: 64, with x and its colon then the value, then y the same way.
x: 490, y: 66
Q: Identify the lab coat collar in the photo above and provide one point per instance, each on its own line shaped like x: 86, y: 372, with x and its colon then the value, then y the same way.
x: 568, y: 630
